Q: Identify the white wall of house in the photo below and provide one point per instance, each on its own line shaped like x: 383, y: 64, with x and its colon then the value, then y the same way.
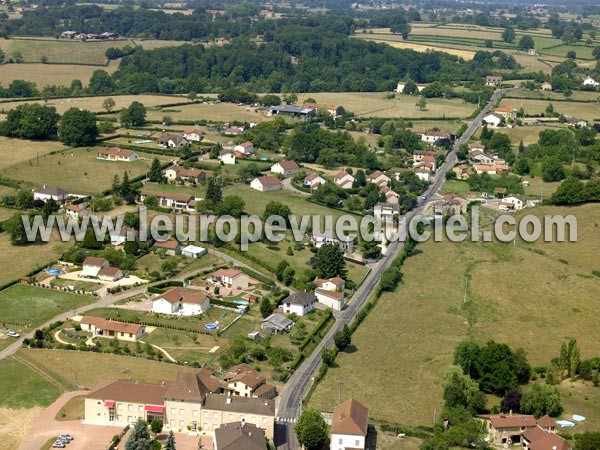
x: 193, y: 309
x: 161, y: 306
x: 299, y: 310
x: 336, y: 305
x: 343, y: 441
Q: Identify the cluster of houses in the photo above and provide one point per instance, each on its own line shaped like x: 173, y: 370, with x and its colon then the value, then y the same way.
x: 500, y: 116
x: 243, y: 150
x: 480, y: 162
x: 106, y: 36
x: 524, y: 430
x: 100, y: 269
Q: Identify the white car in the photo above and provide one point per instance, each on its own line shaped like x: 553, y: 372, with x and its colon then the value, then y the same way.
x: 13, y: 334
x: 59, y: 444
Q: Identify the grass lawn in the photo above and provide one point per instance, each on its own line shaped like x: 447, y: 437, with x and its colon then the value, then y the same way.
x: 375, y: 104
x: 549, y: 95
x: 21, y: 387
x: 73, y: 409
x: 93, y: 175
x: 6, y: 213
x: 152, y: 262
x: 455, y: 187
x: 419, y: 325
x: 14, y: 151
x: 183, y: 347
x: 535, y: 187
x: 218, y: 112
x: 25, y: 305
x: 529, y: 134
x: 18, y: 260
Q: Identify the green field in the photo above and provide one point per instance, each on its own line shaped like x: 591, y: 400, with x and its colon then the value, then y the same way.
x: 21, y: 387
x: 88, y: 175
x: 587, y: 111
x: 529, y: 295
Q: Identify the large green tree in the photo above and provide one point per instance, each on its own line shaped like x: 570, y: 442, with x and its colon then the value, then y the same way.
x: 134, y: 115
x: 139, y: 438
x: 78, y: 127
x: 588, y: 441
x: 540, y: 400
x: 312, y: 430
x: 31, y: 121
x: 329, y: 261
x: 101, y: 83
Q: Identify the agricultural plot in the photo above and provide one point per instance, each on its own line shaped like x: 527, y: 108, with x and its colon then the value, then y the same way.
x: 15, y: 151
x: 93, y: 175
x: 51, y: 74
x: 420, y: 324
x: 375, y: 104
x: 587, y: 111
x: 577, y: 96
x: 212, y: 111
x: 529, y: 134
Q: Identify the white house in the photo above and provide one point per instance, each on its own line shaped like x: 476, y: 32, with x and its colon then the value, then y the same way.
x: 379, y: 178
x: 589, y: 81
x: 349, y: 426
x: 246, y: 148
x: 174, y: 172
x: 122, y: 235
x: 46, y: 192
x: 285, y: 168
x: 181, y: 302
x: 331, y: 292
x: 491, y: 80
x: 313, y: 180
x: 112, y: 329
x: 193, y: 134
x: 299, y: 303
x: 492, y: 119
x: 516, y: 201
x: 92, y: 265
x: 423, y: 171
x: 193, y: 251
x: 343, y: 179
x: 117, y: 154
x: 111, y: 274
x: 74, y: 212
x: 265, y: 184
x: 174, y: 200
x: 172, y: 140
x: 227, y: 157
x: 345, y: 243
x: 232, y: 279
x: 432, y: 137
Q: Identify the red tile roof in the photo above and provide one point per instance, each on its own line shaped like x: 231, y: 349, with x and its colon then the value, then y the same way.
x: 111, y: 325
x: 92, y: 261
x: 269, y: 180
x: 179, y: 294
x: 351, y: 418
x: 170, y: 244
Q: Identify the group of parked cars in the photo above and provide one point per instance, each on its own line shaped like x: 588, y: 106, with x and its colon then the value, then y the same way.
x: 62, y: 440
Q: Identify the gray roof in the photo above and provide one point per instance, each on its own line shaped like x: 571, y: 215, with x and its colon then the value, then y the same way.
x: 51, y: 190
x: 240, y: 436
x: 243, y: 405
x: 279, y: 321
x: 292, y: 109
x: 300, y: 298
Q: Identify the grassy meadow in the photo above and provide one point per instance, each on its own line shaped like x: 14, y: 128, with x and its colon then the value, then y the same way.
x: 528, y: 295
x: 587, y: 111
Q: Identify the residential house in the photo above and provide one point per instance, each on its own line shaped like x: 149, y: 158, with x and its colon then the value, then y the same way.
x: 395, y: 172
x: 299, y: 303
x: 291, y: 110
x: 390, y: 195
x: 476, y: 147
x: 385, y: 211
x: 69, y: 34
x: 313, y: 181
x: 590, y: 82
x: 76, y: 212
x: 434, y: 137
x: 349, y: 427
x: 420, y: 156
x: 577, y: 123
x: 170, y: 246
x: 515, y: 202
x: 191, y: 174
x: 330, y: 292
x: 423, y: 171
x: 463, y: 172
x: 192, y: 135
x: 172, y: 140
x: 331, y: 109
x: 47, y: 192
x: 533, y: 52
x: 227, y: 157
x: 276, y: 324
x: 244, y: 381
x: 266, y: 183
x: 493, y: 120
x: 491, y: 80
x: 117, y: 154
x: 506, y: 112
x: 176, y: 201
x: 220, y: 409
x: 545, y: 86
x: 507, y: 428
x: 110, y: 274
x: 233, y: 131
x: 92, y: 265
x: 232, y: 278
x: 193, y: 251
x: 245, y: 148
x: 343, y: 179
x: 285, y: 168
x: 239, y: 436
x: 182, y: 302
x: 319, y: 238
x: 112, y: 329
x: 379, y: 178
x: 481, y: 158
x: 490, y: 169
x: 122, y: 235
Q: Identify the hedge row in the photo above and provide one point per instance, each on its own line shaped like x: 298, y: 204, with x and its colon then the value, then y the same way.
x: 315, y: 331
x: 162, y: 287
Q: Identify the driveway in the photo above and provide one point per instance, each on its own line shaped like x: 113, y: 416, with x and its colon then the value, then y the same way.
x: 288, y: 186
x: 45, y: 426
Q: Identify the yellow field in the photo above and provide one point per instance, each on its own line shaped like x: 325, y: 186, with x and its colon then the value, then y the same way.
x: 587, y: 111
x: 529, y: 134
x: 376, y: 105
x: 530, y: 299
x: 14, y: 151
x: 51, y: 74
x: 466, y: 54
x: 95, y: 103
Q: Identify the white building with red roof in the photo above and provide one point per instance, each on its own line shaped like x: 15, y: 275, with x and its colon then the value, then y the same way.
x: 330, y: 292
x: 349, y: 426
x: 343, y: 179
x: 285, y: 168
x: 266, y: 184
x: 181, y: 302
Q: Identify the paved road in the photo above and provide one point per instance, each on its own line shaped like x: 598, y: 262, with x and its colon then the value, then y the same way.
x: 287, y: 185
x: 290, y: 403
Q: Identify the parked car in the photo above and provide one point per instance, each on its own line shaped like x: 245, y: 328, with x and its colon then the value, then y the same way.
x: 66, y: 436
x: 59, y: 444
x: 13, y: 334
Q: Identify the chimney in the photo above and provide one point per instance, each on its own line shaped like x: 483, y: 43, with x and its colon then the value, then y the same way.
x: 243, y: 423
x: 229, y: 398
x: 510, y: 413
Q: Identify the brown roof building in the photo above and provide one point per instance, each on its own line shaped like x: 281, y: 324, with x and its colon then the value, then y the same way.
x: 239, y: 436
x: 350, y: 418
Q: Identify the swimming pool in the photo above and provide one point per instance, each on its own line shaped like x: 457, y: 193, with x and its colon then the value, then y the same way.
x: 211, y: 326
